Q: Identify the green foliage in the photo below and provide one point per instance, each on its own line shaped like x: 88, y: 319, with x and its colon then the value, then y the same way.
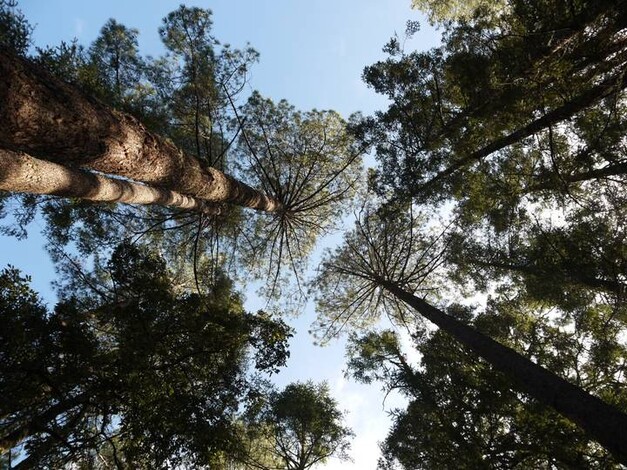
x: 390, y: 244
x: 310, y: 164
x: 570, y: 276
x: 457, y: 401
x: 15, y: 30
x: 67, y: 61
x: 199, y: 79
x: 298, y: 428
x: 186, y: 31
x: 459, y: 110
x: 115, y: 64
x: 569, y: 266
x: 126, y: 366
x: 456, y: 10
x: 512, y: 131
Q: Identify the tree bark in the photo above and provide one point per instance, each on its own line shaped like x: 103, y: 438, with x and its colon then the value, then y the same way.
x: 48, y: 118
x: 600, y: 421
x: 20, y: 172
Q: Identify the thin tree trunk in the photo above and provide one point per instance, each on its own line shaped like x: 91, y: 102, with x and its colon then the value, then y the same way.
x: 600, y: 421
x: 35, y: 424
x: 604, y: 89
x: 20, y: 172
x: 613, y: 22
x: 615, y: 169
x: 574, y: 277
x: 48, y: 118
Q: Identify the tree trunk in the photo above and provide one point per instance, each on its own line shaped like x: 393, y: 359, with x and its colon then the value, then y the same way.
x: 606, y: 88
x: 563, y: 180
x: 600, y: 421
x: 573, y: 277
x: 20, y: 172
x: 48, y: 118
x: 36, y: 424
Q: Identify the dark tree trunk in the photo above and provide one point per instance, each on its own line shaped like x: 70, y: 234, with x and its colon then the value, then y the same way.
x: 37, y: 424
x: 600, y: 421
x: 606, y: 88
x: 562, y: 181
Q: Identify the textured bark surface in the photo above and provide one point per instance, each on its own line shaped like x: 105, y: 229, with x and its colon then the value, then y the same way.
x: 602, y: 422
x: 20, y: 172
x: 47, y: 118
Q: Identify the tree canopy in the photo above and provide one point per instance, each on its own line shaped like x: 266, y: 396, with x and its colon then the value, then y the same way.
x: 297, y: 428
x: 496, y: 211
x: 500, y: 183
x: 129, y: 364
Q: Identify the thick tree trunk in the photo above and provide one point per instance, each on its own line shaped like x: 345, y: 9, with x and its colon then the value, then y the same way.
x: 47, y: 118
x: 600, y: 421
x: 20, y: 172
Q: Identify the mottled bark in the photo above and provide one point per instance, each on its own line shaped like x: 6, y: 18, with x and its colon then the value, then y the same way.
x: 20, y: 172
x: 602, y: 422
x: 50, y: 119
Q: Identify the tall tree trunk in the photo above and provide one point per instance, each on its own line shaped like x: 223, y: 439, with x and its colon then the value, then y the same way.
x: 600, y: 421
x: 48, y: 118
x: 607, y: 87
x: 20, y: 172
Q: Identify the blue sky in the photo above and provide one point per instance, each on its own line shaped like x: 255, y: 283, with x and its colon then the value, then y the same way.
x: 312, y: 54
